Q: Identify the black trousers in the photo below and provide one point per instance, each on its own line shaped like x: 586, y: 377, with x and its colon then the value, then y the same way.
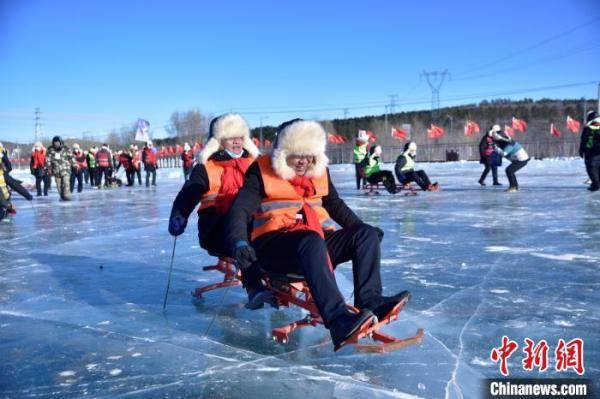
x: 418, y: 176
x: 86, y: 175
x: 150, y: 170
x: 587, y: 160
x: 102, y: 171
x: 305, y: 252
x: 42, y: 179
x: 488, y: 166
x: 92, y: 172
x: 358, y: 175
x: 512, y: 169
x: 379, y: 177
x: 79, y: 176
x: 215, y: 245
x: 595, y: 171
x: 138, y: 172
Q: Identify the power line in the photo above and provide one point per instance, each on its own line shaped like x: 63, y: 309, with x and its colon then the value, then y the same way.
x: 517, y: 67
x: 532, y: 47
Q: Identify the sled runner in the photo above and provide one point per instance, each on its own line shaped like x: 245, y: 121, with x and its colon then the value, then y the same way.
x: 292, y: 289
x: 373, y: 189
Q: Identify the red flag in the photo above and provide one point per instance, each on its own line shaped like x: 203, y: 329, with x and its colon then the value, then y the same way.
x: 572, y: 124
x: 471, y: 128
x: 554, y: 131
x: 519, y: 124
x: 333, y: 138
x: 509, y: 130
x: 398, y: 133
x: 341, y: 139
x: 372, y: 136
x: 435, y: 132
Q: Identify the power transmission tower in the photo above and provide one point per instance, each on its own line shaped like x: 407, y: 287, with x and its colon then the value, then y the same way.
x: 435, y: 79
x: 393, y: 99
x: 346, y: 113
x: 38, y: 124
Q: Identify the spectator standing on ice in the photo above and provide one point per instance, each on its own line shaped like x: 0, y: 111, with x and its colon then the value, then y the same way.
x: 373, y: 172
x: 60, y: 161
x: 187, y: 159
x: 489, y: 157
x: 359, y: 153
x: 589, y: 148
x: 91, y: 164
x: 104, y: 165
x: 149, y: 161
x: 77, y: 171
x: 38, y: 168
x: 407, y: 171
x: 514, y: 152
x: 126, y: 160
x: 137, y: 163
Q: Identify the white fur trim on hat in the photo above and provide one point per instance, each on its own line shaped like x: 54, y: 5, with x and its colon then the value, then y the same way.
x: 362, y: 136
x: 594, y: 121
x: 300, y: 138
x: 412, y: 146
x: 227, y: 127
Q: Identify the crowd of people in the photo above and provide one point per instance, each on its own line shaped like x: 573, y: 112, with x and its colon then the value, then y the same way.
x: 96, y: 167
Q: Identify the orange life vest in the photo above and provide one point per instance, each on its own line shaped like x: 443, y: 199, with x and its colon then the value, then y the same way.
x: 279, y: 210
x: 215, y: 174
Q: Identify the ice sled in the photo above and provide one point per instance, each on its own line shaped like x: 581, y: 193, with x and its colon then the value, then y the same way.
x: 291, y: 289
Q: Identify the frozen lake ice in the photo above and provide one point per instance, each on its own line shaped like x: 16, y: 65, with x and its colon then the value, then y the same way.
x: 82, y: 284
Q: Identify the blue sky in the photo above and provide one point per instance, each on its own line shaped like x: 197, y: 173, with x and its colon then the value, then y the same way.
x: 96, y: 65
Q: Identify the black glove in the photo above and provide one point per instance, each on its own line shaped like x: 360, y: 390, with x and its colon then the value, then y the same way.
x: 379, y: 233
x: 244, y: 256
x: 177, y: 225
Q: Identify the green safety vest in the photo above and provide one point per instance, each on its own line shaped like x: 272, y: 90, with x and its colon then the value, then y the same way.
x: 372, y: 166
x: 595, y: 131
x: 410, y: 162
x: 360, y: 152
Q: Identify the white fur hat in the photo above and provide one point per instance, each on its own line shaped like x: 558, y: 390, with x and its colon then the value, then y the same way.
x: 299, y: 137
x: 226, y: 127
x: 362, y: 136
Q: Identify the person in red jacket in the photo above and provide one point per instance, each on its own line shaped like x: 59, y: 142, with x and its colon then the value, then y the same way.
x: 187, y: 157
x: 39, y: 169
x: 104, y: 165
x: 126, y: 160
x: 149, y: 161
x: 78, y: 168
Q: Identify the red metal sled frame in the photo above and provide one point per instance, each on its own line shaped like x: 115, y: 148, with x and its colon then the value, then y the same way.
x: 373, y: 188
x: 231, y: 277
x: 298, y: 293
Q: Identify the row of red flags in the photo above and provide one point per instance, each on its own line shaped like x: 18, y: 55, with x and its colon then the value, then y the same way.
x: 433, y: 133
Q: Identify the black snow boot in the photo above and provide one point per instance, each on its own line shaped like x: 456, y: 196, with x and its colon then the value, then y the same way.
x: 382, y: 306
x: 258, y: 296
x: 347, y: 324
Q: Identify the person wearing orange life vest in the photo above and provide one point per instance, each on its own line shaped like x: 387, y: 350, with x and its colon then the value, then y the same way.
x: 77, y: 169
x: 214, y: 182
x: 150, y: 164
x: 293, y: 204
x: 103, y: 165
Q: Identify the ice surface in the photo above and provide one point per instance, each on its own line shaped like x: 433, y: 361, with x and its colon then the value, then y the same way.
x: 82, y: 284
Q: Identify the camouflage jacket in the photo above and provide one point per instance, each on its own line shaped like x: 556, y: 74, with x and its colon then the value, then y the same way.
x: 59, y: 161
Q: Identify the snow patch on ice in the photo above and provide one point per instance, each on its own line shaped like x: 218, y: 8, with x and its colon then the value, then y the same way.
x: 477, y: 361
x: 563, y: 323
x: 136, y: 354
x: 563, y: 257
x: 91, y: 366
x: 115, y: 372
x: 103, y: 323
x: 67, y: 373
x: 114, y: 357
x: 497, y: 291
